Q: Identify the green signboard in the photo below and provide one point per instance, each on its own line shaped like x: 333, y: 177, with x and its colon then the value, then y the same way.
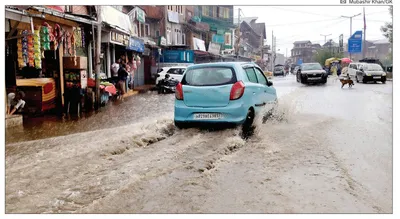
x: 140, y: 15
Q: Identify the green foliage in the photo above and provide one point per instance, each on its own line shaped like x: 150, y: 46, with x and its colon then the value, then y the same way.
x: 323, y: 54
x: 387, y: 29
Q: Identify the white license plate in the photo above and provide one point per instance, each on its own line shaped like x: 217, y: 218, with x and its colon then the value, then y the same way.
x: 205, y: 116
x: 377, y: 77
x: 313, y: 78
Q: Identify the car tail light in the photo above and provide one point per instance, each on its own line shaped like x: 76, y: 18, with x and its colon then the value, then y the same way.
x: 237, y: 90
x: 179, y: 92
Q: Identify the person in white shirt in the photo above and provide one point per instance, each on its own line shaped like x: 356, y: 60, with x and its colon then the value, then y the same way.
x: 114, y: 68
x: 15, y: 102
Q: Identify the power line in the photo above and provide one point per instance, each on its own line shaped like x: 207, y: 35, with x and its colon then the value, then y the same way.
x: 304, y: 22
x: 304, y: 12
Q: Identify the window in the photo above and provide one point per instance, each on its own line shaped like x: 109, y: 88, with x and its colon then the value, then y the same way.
x: 214, y: 11
x: 135, y: 30
x: 228, y: 39
x: 144, y: 30
x: 157, y: 33
x: 261, y: 77
x: 205, y: 10
x: 183, y: 39
x: 226, y: 13
x: 169, y: 7
x: 311, y: 66
x: 176, y: 71
x: 207, y: 76
x: 251, y: 75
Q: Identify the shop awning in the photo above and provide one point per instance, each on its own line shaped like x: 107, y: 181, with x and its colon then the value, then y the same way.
x: 116, y: 19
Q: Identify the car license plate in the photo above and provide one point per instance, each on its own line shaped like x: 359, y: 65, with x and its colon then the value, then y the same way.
x: 313, y: 78
x: 377, y: 77
x: 205, y: 116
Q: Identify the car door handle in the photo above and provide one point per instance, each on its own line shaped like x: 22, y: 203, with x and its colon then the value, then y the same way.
x: 265, y: 91
x: 254, y: 93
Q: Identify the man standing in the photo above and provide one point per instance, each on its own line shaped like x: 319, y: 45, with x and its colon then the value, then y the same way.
x: 15, y: 102
x: 122, y: 76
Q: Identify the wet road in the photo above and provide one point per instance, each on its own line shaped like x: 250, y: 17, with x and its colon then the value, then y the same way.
x: 331, y: 153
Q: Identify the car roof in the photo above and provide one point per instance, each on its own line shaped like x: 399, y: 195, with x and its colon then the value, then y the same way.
x: 176, y: 67
x: 227, y: 64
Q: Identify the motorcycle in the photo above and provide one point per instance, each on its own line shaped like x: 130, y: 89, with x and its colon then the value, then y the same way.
x: 167, y: 85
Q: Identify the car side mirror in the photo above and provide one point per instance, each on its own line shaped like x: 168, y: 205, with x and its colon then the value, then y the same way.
x: 167, y: 75
x: 269, y: 83
x: 361, y: 69
x: 299, y: 71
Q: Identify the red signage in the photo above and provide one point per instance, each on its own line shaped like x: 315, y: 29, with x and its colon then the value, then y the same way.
x: 56, y: 7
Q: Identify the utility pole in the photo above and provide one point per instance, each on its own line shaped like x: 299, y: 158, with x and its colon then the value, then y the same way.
x: 272, y: 51
x: 325, y: 36
x: 364, y: 49
x: 351, y: 24
x: 98, y: 51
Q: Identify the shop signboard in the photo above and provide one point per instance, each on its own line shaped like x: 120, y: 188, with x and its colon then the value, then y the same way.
x: 162, y: 41
x: 220, y: 39
x: 199, y: 44
x: 173, y: 17
x: 140, y: 15
x: 214, y: 48
x: 136, y: 45
x: 118, y: 38
x: 178, y: 56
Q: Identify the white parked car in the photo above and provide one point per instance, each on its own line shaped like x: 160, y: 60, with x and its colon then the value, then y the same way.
x: 175, y: 72
x: 354, y: 67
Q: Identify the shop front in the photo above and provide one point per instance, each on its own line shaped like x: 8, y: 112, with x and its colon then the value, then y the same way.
x: 37, y: 46
x: 135, y: 50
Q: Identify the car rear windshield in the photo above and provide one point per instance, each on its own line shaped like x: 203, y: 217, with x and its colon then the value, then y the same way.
x: 310, y: 67
x: 278, y: 68
x: 209, y: 76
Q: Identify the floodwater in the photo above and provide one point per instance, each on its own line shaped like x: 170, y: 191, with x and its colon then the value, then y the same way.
x: 327, y: 150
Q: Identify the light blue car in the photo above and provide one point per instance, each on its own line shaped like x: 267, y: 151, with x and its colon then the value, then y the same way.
x: 224, y: 92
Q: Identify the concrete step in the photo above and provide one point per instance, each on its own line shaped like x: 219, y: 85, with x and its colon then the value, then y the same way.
x: 14, y: 120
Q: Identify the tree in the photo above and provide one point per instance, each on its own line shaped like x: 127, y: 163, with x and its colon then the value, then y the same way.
x: 323, y: 54
x: 387, y: 29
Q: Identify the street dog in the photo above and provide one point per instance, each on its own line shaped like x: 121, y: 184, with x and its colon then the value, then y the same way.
x: 347, y: 81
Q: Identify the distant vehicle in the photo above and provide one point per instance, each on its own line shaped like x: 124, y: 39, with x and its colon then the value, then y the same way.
x: 167, y: 85
x: 279, y: 70
x: 311, y: 73
x: 371, y: 72
x: 354, y: 67
x: 223, y: 92
x: 175, y: 72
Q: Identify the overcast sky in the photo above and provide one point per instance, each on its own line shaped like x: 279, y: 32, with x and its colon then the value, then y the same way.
x: 293, y: 23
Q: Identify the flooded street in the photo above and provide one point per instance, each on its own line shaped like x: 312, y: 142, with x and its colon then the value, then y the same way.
x: 331, y: 152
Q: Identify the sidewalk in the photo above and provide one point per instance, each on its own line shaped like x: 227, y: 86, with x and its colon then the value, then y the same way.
x: 139, y: 90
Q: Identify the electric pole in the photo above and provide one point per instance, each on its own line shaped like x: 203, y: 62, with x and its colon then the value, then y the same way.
x: 272, y: 51
x: 325, y: 36
x: 98, y: 51
x: 351, y: 25
x: 364, y: 49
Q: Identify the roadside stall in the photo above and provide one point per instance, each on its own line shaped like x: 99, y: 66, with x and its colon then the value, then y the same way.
x: 38, y: 42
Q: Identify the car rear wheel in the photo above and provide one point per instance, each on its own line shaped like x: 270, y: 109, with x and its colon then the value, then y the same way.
x: 249, y: 120
x: 180, y: 125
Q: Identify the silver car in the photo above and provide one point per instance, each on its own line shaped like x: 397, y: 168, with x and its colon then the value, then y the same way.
x: 371, y: 72
x: 311, y: 73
